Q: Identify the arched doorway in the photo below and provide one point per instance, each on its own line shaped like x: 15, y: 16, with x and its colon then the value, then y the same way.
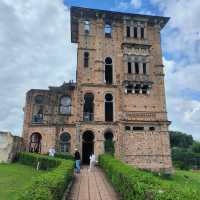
x: 35, y: 143
x: 87, y: 146
x: 109, y: 144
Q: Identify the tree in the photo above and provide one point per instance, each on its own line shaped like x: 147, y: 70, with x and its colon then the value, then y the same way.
x: 179, y: 139
x: 196, y: 147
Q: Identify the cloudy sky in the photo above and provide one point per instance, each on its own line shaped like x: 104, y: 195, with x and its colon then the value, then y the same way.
x: 35, y: 52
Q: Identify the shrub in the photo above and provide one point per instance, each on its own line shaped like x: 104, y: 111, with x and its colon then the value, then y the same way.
x: 64, y: 156
x: 135, y: 184
x: 45, y: 162
x: 50, y: 185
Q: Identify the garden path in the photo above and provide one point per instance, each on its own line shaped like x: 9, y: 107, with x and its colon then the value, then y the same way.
x: 92, y: 186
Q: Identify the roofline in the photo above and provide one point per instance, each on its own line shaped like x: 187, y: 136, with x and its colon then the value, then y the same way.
x: 79, y: 12
x: 118, y: 13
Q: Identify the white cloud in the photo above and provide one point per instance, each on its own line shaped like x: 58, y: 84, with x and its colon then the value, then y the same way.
x: 136, y: 3
x: 35, y: 52
x: 181, y: 40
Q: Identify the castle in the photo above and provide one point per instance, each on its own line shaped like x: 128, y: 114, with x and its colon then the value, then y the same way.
x: 118, y: 96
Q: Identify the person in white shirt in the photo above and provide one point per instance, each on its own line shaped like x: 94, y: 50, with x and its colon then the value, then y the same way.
x: 92, y: 162
x: 52, y: 151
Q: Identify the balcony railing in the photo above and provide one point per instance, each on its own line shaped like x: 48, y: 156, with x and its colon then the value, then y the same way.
x: 137, y: 77
x: 37, y: 119
x: 87, y: 116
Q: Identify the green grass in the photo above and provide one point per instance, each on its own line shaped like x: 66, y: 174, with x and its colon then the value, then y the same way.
x: 186, y: 179
x: 13, y: 178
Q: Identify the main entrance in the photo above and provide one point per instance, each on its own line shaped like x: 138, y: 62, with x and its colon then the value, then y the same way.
x: 87, y: 146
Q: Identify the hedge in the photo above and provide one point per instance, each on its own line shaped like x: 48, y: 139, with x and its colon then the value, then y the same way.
x: 64, y: 156
x: 50, y: 185
x: 135, y: 184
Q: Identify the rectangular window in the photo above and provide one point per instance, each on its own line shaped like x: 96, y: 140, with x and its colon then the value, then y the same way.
x: 127, y: 128
x: 142, y: 32
x: 128, y: 31
x: 129, y: 89
x: 86, y: 59
x: 135, y: 32
x: 144, y: 68
x: 129, y: 68
x: 137, y: 89
x: 87, y: 26
x: 108, y: 30
x: 136, y: 67
x: 138, y: 128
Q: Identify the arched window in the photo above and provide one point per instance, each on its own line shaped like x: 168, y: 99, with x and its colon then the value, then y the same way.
x: 35, y: 143
x: 65, y: 105
x: 87, y: 26
x: 108, y: 107
x: 65, y: 142
x: 108, y: 30
x: 109, y: 144
x: 88, y: 108
x: 108, y: 71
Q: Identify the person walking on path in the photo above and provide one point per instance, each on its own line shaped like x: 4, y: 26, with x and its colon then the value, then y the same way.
x: 92, y: 162
x: 77, y: 158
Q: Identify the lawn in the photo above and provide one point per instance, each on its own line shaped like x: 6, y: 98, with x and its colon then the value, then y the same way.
x: 186, y: 179
x: 13, y: 178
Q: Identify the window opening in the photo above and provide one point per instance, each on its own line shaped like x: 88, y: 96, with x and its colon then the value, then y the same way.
x: 108, y: 107
x: 88, y: 108
x: 137, y: 68
x: 135, y: 32
x: 65, y: 105
x: 108, y: 30
x: 86, y: 59
x: 129, y: 68
x: 128, y: 31
x: 108, y: 71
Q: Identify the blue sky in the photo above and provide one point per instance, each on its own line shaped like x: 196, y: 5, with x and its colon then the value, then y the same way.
x: 36, y: 52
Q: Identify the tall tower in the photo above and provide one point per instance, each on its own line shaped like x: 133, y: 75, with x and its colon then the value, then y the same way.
x: 120, y: 86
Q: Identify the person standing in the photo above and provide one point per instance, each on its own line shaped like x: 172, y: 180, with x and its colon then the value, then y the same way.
x: 52, y: 151
x: 77, y: 158
x: 92, y: 162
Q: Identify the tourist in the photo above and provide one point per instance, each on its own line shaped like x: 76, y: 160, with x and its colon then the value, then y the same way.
x: 52, y: 151
x: 77, y: 158
x: 92, y: 162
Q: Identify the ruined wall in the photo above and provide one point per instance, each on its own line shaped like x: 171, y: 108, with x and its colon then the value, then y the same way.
x: 9, y: 146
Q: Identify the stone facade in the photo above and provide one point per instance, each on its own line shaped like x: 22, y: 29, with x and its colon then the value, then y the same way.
x: 118, y: 95
x: 9, y: 146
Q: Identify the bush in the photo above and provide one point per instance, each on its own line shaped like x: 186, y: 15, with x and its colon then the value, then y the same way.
x: 135, y: 184
x: 50, y: 185
x: 64, y: 156
x: 45, y: 162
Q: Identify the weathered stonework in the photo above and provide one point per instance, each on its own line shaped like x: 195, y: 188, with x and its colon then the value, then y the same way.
x: 9, y: 146
x: 139, y: 123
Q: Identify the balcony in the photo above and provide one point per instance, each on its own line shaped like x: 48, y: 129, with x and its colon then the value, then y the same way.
x: 137, y: 77
x: 37, y: 119
x: 87, y: 116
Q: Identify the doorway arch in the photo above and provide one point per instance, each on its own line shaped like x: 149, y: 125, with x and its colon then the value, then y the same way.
x: 35, y: 143
x: 87, y: 146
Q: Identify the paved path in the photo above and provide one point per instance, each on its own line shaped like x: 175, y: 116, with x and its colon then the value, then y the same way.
x: 92, y: 186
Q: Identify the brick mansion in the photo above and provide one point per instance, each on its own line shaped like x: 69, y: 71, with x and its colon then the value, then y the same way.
x: 118, y: 95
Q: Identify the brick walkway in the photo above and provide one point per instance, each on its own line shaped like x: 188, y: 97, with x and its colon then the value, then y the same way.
x: 92, y: 186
